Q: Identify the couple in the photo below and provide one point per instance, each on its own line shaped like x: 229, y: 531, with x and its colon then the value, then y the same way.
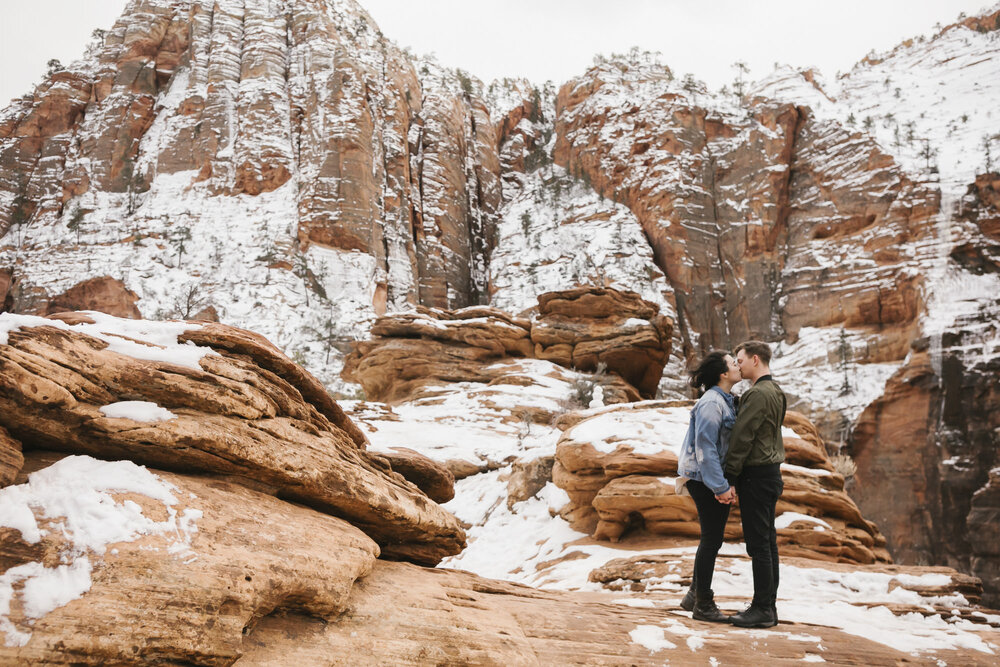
x: 730, y: 453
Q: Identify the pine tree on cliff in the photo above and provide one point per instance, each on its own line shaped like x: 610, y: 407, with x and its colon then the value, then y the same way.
x: 739, y: 84
x: 536, y: 106
x: 133, y: 181
x: 20, y: 212
x: 75, y: 222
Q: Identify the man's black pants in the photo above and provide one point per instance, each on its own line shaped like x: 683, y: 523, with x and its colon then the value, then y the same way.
x: 712, y: 516
x: 759, y: 488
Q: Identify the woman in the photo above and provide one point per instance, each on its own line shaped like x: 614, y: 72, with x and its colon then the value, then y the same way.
x: 699, y: 469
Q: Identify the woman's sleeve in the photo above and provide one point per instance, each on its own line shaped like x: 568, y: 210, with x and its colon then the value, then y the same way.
x: 706, y: 438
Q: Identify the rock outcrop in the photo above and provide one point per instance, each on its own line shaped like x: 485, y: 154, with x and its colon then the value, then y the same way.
x: 104, y: 294
x: 586, y: 327
x: 618, y: 480
x: 229, y: 403
x: 729, y: 203
x: 433, y: 478
x: 581, y: 329
x: 933, y: 433
x: 11, y: 457
x: 394, y: 163
x: 191, y: 593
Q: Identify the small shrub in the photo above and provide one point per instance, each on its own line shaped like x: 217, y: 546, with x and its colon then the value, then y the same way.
x: 844, y: 465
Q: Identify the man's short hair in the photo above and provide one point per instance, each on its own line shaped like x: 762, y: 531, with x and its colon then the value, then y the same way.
x: 752, y: 347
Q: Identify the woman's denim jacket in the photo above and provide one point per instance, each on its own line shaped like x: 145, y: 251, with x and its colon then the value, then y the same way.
x: 707, y: 441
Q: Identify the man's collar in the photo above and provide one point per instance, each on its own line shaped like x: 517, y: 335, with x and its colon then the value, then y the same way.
x: 763, y: 377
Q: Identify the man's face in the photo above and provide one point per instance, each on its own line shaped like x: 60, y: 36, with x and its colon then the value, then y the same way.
x: 744, y: 364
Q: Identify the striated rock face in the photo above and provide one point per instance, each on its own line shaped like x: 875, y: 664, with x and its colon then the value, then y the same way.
x: 981, y: 207
x: 740, y: 208
x: 11, y: 458
x: 934, y: 433
x: 618, y: 481
x: 243, y: 98
x: 579, y: 329
x: 230, y: 404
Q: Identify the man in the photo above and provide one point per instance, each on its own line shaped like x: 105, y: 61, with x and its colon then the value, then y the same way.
x: 753, y: 467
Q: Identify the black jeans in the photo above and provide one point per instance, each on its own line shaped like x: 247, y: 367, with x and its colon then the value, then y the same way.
x: 712, y: 516
x: 759, y: 488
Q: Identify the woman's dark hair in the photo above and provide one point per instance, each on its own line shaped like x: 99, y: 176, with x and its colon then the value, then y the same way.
x: 708, y: 372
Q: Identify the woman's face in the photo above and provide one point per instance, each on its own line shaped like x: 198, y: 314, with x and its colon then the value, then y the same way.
x: 733, y: 375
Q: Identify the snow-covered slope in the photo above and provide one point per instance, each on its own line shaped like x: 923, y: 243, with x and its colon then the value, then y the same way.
x: 931, y: 103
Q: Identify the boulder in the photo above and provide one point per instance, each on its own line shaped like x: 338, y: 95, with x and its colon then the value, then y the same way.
x: 104, y: 294
x: 431, y: 477
x: 528, y: 478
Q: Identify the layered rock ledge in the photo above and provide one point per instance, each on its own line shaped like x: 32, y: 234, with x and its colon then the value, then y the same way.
x: 213, y: 399
x: 581, y: 328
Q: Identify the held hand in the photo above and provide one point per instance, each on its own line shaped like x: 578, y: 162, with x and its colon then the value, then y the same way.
x: 727, y: 498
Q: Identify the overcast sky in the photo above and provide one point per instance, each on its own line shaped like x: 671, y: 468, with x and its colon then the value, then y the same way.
x: 551, y: 39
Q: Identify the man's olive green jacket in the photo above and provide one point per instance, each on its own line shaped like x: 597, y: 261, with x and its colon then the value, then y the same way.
x: 756, y: 437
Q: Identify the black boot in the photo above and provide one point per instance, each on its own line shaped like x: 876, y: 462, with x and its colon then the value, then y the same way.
x: 755, y: 616
x: 687, y: 604
x: 705, y: 609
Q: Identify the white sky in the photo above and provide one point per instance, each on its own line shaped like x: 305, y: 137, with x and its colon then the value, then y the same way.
x: 551, y: 39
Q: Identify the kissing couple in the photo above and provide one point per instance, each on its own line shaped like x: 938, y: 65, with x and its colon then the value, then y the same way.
x: 733, y: 450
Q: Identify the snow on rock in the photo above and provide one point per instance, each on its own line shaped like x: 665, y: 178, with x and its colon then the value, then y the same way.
x: 476, y: 422
x: 652, y: 637
x: 75, y: 498
x: 140, y: 411
x: 139, y: 339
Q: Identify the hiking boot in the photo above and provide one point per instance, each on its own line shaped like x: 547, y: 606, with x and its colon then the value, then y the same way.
x: 755, y: 617
x: 705, y: 609
x: 687, y: 604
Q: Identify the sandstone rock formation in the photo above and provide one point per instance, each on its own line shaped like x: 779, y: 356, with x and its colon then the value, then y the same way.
x: 319, y: 161
x: 397, y: 164
x: 617, y: 480
x: 585, y: 327
x: 225, y: 559
x: 434, y: 479
x: 262, y: 581
x: 104, y: 294
x: 11, y: 458
x: 932, y: 434
x: 741, y: 200
x: 234, y: 406
x: 581, y: 329
x: 163, y: 599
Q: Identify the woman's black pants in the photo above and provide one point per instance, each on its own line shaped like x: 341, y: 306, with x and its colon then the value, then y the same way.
x: 712, y: 516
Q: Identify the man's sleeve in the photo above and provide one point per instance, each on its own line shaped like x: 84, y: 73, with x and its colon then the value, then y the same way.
x: 748, y: 422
